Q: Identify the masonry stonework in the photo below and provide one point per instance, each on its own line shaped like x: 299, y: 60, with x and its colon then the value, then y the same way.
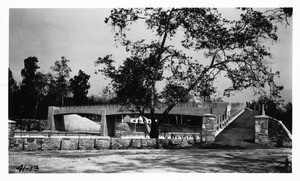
x: 261, y: 129
x: 43, y: 144
x: 209, y: 128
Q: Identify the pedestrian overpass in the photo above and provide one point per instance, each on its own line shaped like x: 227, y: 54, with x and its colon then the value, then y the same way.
x: 223, y: 111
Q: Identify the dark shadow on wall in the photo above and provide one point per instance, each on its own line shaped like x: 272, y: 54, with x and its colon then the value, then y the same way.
x: 59, y: 123
x: 110, y: 122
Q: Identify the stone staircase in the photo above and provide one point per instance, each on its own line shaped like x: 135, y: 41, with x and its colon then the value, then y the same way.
x: 241, y: 132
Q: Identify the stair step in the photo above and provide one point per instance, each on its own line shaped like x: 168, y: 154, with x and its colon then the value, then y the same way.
x: 242, y: 129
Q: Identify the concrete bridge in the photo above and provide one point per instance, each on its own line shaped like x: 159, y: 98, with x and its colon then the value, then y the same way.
x: 55, y: 114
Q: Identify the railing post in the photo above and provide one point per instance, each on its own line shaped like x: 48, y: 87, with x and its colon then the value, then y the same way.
x: 263, y: 110
x: 228, y: 109
x: 209, y: 128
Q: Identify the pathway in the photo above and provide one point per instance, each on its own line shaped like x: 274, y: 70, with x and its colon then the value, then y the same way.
x: 240, y: 132
x: 152, y: 160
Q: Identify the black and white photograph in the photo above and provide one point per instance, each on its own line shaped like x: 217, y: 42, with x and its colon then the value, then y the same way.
x: 150, y: 88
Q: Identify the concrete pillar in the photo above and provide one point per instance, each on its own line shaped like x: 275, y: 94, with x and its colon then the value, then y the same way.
x: 261, y: 129
x: 103, y: 131
x: 50, y: 121
x: 209, y: 127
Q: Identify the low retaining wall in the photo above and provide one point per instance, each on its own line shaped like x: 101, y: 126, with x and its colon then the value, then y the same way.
x: 270, y: 131
x: 32, y: 144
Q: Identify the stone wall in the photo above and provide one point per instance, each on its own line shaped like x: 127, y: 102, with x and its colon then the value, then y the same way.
x: 209, y: 128
x: 278, y: 137
x: 270, y: 132
x: 32, y: 144
x: 261, y: 129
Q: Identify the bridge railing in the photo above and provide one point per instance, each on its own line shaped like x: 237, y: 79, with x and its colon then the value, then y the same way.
x: 55, y: 133
x: 159, y: 105
x: 225, y: 119
x: 212, y: 125
x: 106, y: 106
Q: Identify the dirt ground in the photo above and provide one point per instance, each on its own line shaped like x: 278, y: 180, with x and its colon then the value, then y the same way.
x: 192, y: 160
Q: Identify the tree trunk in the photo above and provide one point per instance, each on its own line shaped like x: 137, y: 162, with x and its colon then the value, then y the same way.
x: 62, y: 101
x: 146, y: 125
x: 35, y: 110
x: 154, y: 133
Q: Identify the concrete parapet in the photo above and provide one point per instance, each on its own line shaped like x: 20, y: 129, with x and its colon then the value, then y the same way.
x: 51, y: 123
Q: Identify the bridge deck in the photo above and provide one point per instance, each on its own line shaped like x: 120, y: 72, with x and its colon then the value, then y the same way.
x: 181, y: 108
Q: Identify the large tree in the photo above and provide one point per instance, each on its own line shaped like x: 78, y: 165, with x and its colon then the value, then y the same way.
x: 131, y: 83
x: 33, y: 89
x: 28, y: 88
x: 43, y: 82
x: 13, y: 97
x: 79, y: 86
x: 235, y: 48
x: 172, y: 92
x: 61, y: 73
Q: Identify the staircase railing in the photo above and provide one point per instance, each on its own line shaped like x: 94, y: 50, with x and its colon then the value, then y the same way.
x: 223, y: 120
x: 284, y: 127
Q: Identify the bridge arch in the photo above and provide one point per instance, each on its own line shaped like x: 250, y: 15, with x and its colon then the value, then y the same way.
x: 55, y: 116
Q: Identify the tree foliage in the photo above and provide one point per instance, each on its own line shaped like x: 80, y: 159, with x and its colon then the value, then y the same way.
x: 131, y: 82
x: 280, y: 111
x: 172, y: 92
x: 280, y: 14
x: 33, y: 89
x: 28, y: 86
x: 43, y: 82
x: 39, y: 90
x: 12, y: 84
x: 234, y: 47
x: 79, y: 86
x: 13, y: 97
x: 107, y: 96
x: 61, y: 73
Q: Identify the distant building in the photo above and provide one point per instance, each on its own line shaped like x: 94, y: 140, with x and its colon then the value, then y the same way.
x: 138, y: 120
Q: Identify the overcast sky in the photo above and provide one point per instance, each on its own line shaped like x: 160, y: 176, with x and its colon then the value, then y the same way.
x: 82, y: 36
